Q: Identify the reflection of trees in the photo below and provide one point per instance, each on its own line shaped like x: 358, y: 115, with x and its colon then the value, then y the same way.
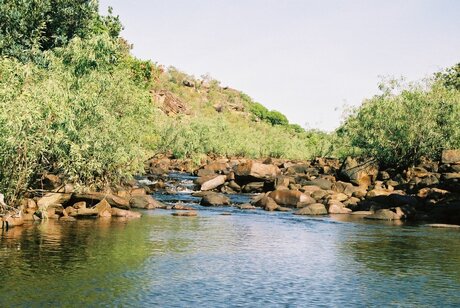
x: 408, y: 251
x: 53, y: 262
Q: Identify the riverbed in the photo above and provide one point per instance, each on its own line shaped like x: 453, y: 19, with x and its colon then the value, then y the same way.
x: 249, y: 258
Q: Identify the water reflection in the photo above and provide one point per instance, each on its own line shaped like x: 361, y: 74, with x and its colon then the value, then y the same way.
x: 247, y: 259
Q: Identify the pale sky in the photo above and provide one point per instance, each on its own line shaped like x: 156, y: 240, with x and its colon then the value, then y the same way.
x: 306, y: 58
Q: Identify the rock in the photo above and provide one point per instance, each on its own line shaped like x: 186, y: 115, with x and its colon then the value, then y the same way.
x: 313, y: 209
x: 383, y: 176
x: 283, y: 209
x: 362, y: 213
x: 378, y: 192
x: 319, y: 194
x: 116, y: 212
x: 214, y: 182
x: 338, y: 197
x: 396, y: 213
x: 188, y: 83
x: 9, y: 221
x: 67, y: 218
x: 217, y: 167
x: 337, y: 208
x: 267, y: 203
x: 360, y: 174
x: 246, y: 206
x: 51, y: 181
x: 53, y: 198
x: 443, y: 226
x: 103, y: 209
x: 145, y: 202
x: 342, y: 187
x: 351, y: 202
x: 309, y: 189
x: 257, y: 170
x: 233, y: 185
x: 214, y: 199
x: 205, y: 173
x: 289, y: 197
x: 321, y: 183
x: 450, y: 156
x: 93, y: 198
x: 451, y: 176
x: 181, y: 207
x: 282, y: 182
x: 185, y: 214
x: 82, y: 212
x: 254, y: 187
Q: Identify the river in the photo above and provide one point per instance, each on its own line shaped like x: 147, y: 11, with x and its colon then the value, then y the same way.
x: 249, y: 258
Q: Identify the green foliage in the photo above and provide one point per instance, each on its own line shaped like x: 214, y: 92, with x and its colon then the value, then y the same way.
x: 399, y: 129
x: 273, y: 117
x: 30, y: 26
x: 450, y: 77
x: 83, y: 117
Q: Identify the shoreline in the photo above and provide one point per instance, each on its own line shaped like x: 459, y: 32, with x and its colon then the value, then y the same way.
x: 324, y: 186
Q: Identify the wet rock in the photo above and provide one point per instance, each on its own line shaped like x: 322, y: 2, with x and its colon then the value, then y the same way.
x: 214, y: 182
x: 145, y: 202
x: 246, y: 206
x: 103, y: 209
x: 337, y: 208
x: 289, y: 197
x: 254, y: 187
x: 181, y: 207
x: 116, y: 212
x: 67, y: 218
x: 214, y: 199
x: 443, y: 226
x: 313, y: 209
x: 283, y: 209
x: 362, y: 213
x: 267, y: 203
x: 95, y: 197
x: 396, y: 213
x: 185, y: 214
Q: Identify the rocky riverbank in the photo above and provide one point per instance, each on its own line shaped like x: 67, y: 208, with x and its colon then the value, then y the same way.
x: 428, y: 192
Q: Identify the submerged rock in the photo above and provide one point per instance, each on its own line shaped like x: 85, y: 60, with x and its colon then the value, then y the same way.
x: 214, y: 199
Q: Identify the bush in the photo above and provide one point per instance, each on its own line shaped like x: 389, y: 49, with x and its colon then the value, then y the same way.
x: 84, y: 117
x: 399, y: 129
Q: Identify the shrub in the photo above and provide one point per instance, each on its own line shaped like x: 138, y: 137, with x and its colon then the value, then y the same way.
x: 399, y: 129
x: 83, y: 117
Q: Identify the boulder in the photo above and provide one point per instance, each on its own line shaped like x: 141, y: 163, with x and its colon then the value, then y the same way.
x: 93, y: 198
x: 214, y: 182
x: 52, y: 199
x: 313, y: 209
x: 309, y: 189
x: 103, y: 209
x: 214, y: 199
x: 396, y: 213
x: 267, y: 203
x: 450, y: 156
x: 342, y: 187
x: 360, y: 174
x: 116, y: 212
x: 217, y: 167
x: 337, y: 208
x: 321, y: 183
x: 289, y: 197
x: 254, y: 187
x: 256, y: 170
x: 337, y: 197
x: 181, y: 207
x: 145, y: 202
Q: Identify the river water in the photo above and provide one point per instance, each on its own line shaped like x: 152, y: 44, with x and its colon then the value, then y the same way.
x: 249, y: 258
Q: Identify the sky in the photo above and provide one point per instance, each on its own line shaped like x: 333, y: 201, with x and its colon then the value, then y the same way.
x: 307, y: 59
